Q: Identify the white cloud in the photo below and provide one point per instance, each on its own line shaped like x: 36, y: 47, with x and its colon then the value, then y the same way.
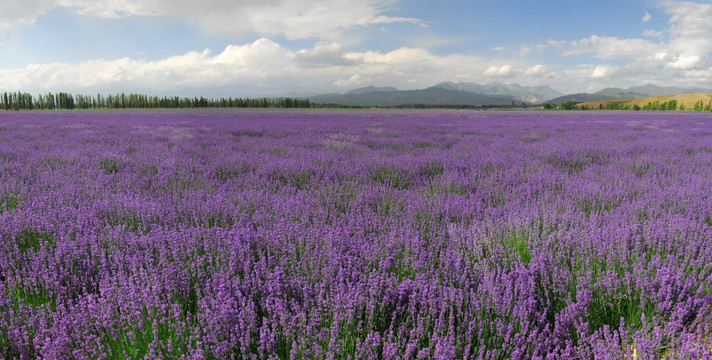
x: 681, y: 54
x: 323, y: 54
x: 535, y: 70
x: 16, y: 13
x: 610, y: 47
x: 652, y: 33
x: 690, y: 30
x: 552, y: 43
x: 235, y: 64
x: 646, y: 17
x: 687, y: 62
x: 504, y: 70
x: 602, y: 71
x: 115, y: 8
x: 689, y: 34
x: 525, y: 50
x: 353, y: 80
x: 264, y: 67
x: 398, y: 56
x: 295, y: 19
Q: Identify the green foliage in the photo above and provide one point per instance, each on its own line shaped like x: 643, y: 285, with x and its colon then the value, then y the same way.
x: 401, y: 266
x: 16, y: 101
x: 595, y: 206
x: 431, y: 169
x: 672, y: 105
x: 518, y: 242
x: 136, y: 343
x: 233, y: 171
x: 568, y: 164
x: 66, y: 101
x: 390, y: 176
x: 131, y: 222
x: 424, y: 144
x: 30, y: 239
x: 568, y: 105
x: 608, y: 306
x: 699, y: 106
x: 148, y: 170
x: 37, y: 296
x: 336, y: 200
x: 110, y: 166
x: 640, y: 169
x: 247, y: 133
x: 617, y: 106
x: 299, y: 179
x: 608, y: 309
x: 8, y: 202
x: 665, y: 105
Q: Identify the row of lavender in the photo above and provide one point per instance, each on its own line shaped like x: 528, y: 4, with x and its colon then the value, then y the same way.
x: 355, y: 234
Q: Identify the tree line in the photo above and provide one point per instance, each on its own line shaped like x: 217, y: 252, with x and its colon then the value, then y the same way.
x: 65, y: 101
x: 670, y: 105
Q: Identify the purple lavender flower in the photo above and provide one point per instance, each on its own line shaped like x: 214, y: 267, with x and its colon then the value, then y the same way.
x: 355, y: 234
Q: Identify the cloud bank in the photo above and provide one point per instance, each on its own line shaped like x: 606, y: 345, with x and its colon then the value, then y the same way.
x: 678, y: 54
x: 680, y: 57
x: 295, y: 19
x: 263, y: 67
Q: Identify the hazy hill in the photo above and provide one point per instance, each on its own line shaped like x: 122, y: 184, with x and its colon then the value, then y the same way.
x: 528, y: 94
x: 652, y: 90
x: 473, y: 94
x: 580, y: 97
x: 623, y: 94
x: 686, y: 100
x: 368, y: 89
x: 429, y: 96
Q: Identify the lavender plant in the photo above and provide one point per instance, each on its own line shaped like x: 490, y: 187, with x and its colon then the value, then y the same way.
x: 355, y: 235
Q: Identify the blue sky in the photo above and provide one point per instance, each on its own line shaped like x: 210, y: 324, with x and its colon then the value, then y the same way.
x: 285, y: 47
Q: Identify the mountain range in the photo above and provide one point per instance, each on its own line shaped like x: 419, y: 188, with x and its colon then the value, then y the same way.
x: 473, y: 94
x: 446, y: 93
x: 527, y: 94
x: 636, y: 92
x: 429, y: 96
x: 368, y: 89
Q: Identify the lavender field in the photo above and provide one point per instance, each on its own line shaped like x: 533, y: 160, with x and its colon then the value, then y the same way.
x: 355, y: 235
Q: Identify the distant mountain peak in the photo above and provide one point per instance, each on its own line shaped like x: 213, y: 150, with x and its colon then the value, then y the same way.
x: 371, y: 88
x: 429, y: 96
x: 636, y: 92
x: 528, y: 94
